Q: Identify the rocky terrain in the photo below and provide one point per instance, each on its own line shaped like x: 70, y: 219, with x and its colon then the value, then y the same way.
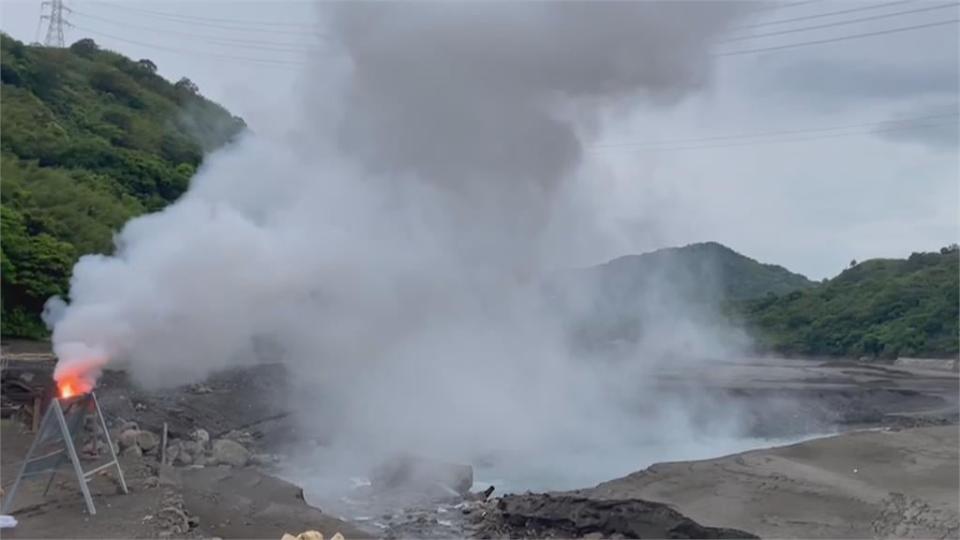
x: 215, y: 476
x: 209, y: 481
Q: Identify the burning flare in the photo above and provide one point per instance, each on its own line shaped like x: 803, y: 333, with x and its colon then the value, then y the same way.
x: 67, y: 389
x: 70, y: 386
x: 78, y: 368
x: 77, y: 374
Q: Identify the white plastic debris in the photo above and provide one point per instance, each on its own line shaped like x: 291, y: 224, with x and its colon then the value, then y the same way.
x: 7, y: 522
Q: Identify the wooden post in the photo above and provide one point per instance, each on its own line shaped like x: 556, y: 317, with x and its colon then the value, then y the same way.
x: 163, y: 446
x: 35, y: 421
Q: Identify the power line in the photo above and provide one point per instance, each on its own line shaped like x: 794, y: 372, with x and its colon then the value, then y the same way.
x: 192, y: 20
x: 821, y: 15
x: 839, y: 23
x: 36, y: 34
x: 794, y: 139
x: 781, y: 132
x: 777, y: 6
x: 266, y: 61
x: 232, y: 42
x: 213, y: 19
x: 840, y: 38
x: 260, y: 61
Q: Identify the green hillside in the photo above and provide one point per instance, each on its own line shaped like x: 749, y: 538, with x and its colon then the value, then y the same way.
x: 88, y: 139
x: 879, y: 308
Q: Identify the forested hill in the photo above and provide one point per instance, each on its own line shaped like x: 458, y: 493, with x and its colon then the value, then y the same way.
x: 611, y: 303
x: 89, y: 139
x: 719, y: 270
x: 881, y: 308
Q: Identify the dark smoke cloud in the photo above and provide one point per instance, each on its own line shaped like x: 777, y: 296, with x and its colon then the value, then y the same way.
x: 482, y: 98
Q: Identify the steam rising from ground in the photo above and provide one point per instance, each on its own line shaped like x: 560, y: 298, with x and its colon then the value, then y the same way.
x: 390, y: 244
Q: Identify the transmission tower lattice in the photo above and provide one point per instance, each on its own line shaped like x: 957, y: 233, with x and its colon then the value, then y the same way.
x: 53, y: 13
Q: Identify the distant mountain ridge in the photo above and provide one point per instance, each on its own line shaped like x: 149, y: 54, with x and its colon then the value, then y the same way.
x: 714, y: 267
x: 880, y: 308
x: 646, y: 297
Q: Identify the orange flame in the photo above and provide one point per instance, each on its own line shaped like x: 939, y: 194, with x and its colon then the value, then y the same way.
x: 69, y: 387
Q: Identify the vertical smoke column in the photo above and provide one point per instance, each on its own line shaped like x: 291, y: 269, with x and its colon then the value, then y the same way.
x: 480, y: 99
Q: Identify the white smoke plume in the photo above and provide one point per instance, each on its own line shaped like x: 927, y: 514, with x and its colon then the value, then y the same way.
x: 393, y: 237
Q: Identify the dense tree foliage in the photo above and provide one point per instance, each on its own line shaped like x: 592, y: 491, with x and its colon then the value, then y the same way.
x: 89, y: 139
x: 881, y: 308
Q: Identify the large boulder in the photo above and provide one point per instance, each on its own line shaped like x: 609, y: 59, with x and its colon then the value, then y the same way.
x: 227, y: 452
x: 202, y: 437
x: 147, y: 441
x: 132, y: 451
x: 194, y: 448
x: 127, y: 438
x: 417, y: 473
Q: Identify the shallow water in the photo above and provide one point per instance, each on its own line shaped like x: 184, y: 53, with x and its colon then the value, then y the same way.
x: 345, y: 492
x: 565, y: 470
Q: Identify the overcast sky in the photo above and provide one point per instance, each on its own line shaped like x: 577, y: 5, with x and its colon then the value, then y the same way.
x: 857, y: 175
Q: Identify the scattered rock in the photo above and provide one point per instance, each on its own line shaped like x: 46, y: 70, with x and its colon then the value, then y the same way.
x: 568, y: 516
x: 201, y: 389
x: 310, y: 535
x: 183, y: 458
x: 132, y: 451
x: 128, y: 425
x: 194, y: 448
x: 243, y: 437
x: 228, y: 452
x: 147, y: 441
x: 127, y: 438
x: 202, y: 437
x: 175, y: 518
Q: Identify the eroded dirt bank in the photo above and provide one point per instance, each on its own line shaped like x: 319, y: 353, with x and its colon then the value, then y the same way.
x: 873, y: 483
